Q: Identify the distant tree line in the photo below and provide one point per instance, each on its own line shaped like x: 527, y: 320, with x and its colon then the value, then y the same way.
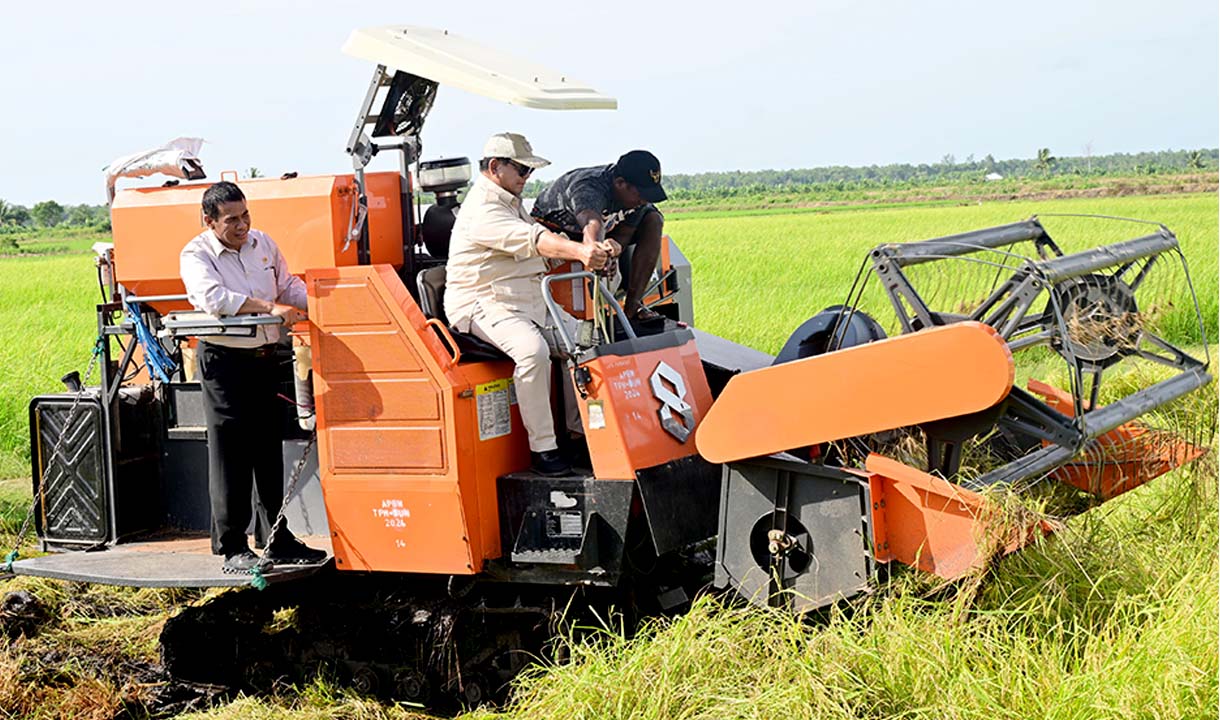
x: 49, y: 214
x: 1043, y: 164
x: 949, y: 170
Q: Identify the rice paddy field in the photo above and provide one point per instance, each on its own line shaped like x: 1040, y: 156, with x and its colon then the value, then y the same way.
x: 1117, y: 615
x: 759, y: 274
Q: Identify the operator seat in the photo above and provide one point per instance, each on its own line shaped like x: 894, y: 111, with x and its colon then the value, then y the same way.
x: 431, y: 284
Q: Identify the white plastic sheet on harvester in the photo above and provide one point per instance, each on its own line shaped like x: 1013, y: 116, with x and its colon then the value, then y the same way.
x: 178, y: 158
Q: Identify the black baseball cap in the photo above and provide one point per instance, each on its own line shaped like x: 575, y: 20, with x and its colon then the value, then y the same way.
x: 642, y: 169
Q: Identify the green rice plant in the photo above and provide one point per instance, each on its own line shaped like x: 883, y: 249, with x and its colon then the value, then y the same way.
x: 47, y: 328
x: 757, y: 278
x: 1114, y: 616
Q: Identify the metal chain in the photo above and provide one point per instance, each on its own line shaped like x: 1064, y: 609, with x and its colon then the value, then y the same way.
x: 29, y: 516
x: 258, y: 580
x: 292, y: 483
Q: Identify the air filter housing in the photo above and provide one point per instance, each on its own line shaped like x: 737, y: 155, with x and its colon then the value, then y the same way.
x: 445, y: 176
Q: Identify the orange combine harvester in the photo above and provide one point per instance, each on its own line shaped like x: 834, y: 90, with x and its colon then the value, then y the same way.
x: 789, y: 479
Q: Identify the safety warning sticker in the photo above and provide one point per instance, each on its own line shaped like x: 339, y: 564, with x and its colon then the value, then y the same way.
x: 597, y: 415
x: 495, y: 419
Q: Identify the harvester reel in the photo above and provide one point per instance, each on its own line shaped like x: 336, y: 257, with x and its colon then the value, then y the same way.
x: 1101, y: 320
x: 1080, y: 306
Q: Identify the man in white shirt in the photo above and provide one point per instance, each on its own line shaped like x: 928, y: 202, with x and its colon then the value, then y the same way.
x: 493, y: 285
x: 232, y: 269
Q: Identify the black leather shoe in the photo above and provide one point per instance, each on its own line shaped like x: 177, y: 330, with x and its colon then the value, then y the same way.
x: 550, y: 463
x: 294, y: 552
x: 245, y: 562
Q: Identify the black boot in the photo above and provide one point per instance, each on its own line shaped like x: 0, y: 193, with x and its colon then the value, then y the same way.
x: 551, y: 463
x: 244, y: 561
x: 294, y: 552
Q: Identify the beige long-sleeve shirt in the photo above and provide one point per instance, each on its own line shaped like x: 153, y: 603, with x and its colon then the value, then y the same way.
x: 218, y: 280
x: 494, y: 263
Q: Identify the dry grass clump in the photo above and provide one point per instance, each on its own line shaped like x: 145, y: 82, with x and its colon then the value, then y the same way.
x: 94, y: 655
x: 78, y: 670
x: 317, y: 701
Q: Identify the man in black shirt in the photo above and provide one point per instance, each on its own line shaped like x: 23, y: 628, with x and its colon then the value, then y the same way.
x: 617, y: 202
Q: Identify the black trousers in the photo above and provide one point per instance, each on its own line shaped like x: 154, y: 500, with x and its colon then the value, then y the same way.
x: 245, y: 448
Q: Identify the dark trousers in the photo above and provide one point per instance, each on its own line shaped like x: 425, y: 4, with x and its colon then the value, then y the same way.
x: 245, y: 449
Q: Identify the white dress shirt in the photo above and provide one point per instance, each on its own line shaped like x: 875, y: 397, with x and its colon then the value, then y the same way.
x: 219, y: 280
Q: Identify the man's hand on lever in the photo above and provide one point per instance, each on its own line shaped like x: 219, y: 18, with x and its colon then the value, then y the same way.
x: 612, y: 248
x: 594, y: 254
x: 595, y: 233
x: 288, y: 314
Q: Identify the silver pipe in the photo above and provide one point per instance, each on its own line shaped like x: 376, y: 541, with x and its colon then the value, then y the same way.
x: 233, y: 321
x: 153, y: 298
x: 553, y: 308
x: 302, y: 376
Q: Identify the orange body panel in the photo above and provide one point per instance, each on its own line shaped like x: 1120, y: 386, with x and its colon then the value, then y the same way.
x: 621, y: 413
x: 574, y: 295
x: 1125, y: 458
x: 409, y: 486
x: 929, y: 375
x: 308, y: 217
x: 941, y: 528
x: 665, y: 266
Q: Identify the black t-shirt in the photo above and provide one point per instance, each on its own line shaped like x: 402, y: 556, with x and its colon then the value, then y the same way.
x: 589, y: 188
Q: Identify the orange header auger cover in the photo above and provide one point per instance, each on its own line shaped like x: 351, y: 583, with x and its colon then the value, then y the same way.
x: 930, y: 375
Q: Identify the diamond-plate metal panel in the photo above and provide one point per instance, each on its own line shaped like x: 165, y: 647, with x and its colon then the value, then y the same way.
x: 73, y: 498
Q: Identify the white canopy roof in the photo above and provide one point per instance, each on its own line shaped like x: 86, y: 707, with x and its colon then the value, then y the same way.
x: 450, y: 60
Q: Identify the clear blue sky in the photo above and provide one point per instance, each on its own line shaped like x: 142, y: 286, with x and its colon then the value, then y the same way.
x: 706, y: 86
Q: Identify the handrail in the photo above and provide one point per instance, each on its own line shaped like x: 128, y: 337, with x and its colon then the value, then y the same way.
x: 553, y: 308
x: 446, y: 338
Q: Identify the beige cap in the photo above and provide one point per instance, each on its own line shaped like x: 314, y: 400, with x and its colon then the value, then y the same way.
x: 514, y: 147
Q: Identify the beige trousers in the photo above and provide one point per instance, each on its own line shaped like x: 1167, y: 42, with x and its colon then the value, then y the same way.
x: 531, y: 348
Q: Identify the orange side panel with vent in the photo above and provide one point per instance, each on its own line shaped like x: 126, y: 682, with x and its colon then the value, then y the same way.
x: 1124, y: 458
x: 929, y: 375
x: 408, y: 484
x: 621, y: 413
x: 307, y: 217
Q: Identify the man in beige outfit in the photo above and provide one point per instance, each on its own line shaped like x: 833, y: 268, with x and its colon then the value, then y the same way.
x: 494, y: 283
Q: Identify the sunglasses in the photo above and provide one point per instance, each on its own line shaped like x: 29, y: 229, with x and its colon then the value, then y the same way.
x: 523, y: 170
